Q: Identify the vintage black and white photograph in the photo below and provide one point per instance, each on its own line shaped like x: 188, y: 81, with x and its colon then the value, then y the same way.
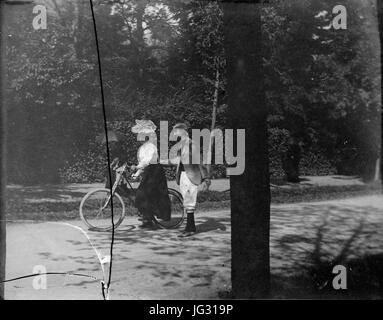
x: 191, y: 150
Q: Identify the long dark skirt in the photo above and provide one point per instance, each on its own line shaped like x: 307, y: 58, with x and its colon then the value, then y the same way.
x: 152, y: 194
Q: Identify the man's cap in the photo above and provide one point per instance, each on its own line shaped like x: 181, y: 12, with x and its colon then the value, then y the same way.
x: 181, y: 125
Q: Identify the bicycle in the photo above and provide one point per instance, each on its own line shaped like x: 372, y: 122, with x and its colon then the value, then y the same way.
x: 95, y: 206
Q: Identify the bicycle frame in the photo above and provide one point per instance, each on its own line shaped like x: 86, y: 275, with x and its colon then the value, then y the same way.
x: 102, y: 211
x: 120, y: 176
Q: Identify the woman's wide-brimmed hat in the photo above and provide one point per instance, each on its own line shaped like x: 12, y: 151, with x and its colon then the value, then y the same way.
x: 144, y: 126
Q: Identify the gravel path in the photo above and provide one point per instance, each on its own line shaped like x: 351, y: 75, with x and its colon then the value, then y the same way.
x: 159, y: 265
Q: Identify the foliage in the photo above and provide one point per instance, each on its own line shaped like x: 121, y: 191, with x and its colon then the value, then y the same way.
x: 159, y: 61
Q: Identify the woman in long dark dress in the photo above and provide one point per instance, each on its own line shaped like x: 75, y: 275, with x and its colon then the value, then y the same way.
x: 152, y: 194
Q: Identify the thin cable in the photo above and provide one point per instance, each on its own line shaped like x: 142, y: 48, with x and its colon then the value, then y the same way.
x: 107, y: 140
x: 50, y: 273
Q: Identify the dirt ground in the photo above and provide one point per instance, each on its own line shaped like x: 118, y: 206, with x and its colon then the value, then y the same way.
x: 160, y: 265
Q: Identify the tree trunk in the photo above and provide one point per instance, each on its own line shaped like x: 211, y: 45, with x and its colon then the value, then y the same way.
x: 215, y: 100
x: 213, y: 120
x: 75, y: 26
x: 250, y: 192
x: 140, y: 43
x: 380, y: 21
x: 2, y: 158
x: 290, y: 161
x: 377, y: 170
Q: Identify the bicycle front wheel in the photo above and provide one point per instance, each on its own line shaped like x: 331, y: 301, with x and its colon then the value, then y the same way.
x: 96, y: 210
x: 177, y: 211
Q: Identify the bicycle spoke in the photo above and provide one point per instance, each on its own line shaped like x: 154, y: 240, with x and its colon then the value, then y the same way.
x: 96, y: 209
x: 177, y: 212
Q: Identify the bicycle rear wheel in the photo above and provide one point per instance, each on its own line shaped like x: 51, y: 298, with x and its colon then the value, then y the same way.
x: 96, y: 210
x: 177, y: 211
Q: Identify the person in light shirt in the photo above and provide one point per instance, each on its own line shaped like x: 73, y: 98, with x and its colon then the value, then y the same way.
x: 190, y: 174
x: 152, y: 194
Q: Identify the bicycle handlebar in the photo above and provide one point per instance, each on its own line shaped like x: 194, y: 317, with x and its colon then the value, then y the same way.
x: 124, y: 166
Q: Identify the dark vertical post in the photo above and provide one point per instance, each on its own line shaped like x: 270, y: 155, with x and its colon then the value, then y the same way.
x: 380, y: 21
x: 2, y: 157
x: 250, y: 192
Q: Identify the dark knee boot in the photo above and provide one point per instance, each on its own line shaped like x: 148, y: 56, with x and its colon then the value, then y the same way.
x: 190, y: 223
x: 190, y: 228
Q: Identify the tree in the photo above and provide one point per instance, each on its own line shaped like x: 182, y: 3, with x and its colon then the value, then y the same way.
x: 250, y: 192
x: 380, y: 20
x: 2, y: 163
x: 207, y: 26
x: 322, y: 84
x: 47, y: 83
